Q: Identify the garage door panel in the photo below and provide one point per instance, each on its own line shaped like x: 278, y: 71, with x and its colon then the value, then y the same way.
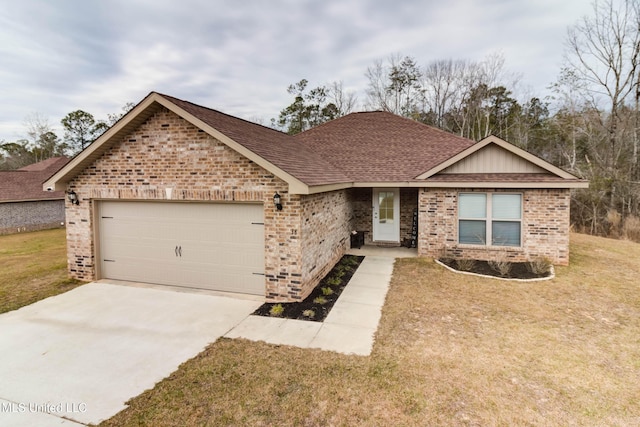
x: 210, y: 246
x: 128, y: 269
x: 237, y: 261
x: 242, y: 280
x: 225, y: 235
x: 140, y: 248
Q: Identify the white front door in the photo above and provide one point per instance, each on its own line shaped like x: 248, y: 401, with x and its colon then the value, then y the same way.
x: 386, y: 214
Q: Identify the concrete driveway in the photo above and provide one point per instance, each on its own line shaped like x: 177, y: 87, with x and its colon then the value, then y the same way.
x: 76, y: 358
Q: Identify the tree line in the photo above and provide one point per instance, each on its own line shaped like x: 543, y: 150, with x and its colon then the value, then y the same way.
x: 589, y: 126
x: 41, y: 142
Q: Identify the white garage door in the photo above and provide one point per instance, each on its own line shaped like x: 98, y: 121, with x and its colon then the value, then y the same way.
x: 196, y: 245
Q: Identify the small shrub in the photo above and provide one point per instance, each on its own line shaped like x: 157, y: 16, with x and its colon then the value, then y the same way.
x: 276, y: 310
x: 333, y: 281
x: 320, y: 300
x: 350, y: 261
x: 326, y: 290
x: 465, y: 264
x: 540, y: 265
x: 501, y: 264
x: 631, y: 228
x: 614, y: 220
x: 309, y: 313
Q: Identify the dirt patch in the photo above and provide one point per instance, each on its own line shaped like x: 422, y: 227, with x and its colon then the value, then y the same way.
x: 318, y: 304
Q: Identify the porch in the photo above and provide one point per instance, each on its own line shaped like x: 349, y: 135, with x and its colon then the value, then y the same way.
x: 385, y: 215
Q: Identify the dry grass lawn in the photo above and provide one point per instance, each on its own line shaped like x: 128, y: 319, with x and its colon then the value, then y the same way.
x: 450, y: 350
x: 33, y: 266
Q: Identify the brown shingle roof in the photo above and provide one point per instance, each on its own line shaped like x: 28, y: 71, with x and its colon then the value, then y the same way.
x: 278, y: 148
x: 26, y: 183
x: 360, y: 148
x: 382, y: 147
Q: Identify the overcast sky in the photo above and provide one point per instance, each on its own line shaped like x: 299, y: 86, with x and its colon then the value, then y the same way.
x: 239, y: 56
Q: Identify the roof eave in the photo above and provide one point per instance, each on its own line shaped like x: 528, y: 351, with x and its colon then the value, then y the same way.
x: 442, y: 184
x: 499, y: 184
x: 491, y: 139
x: 322, y: 188
x: 51, y: 199
x: 141, y: 113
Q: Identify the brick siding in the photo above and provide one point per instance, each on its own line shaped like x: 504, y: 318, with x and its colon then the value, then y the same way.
x: 168, y: 152
x: 545, y: 226
x: 18, y: 217
x: 327, y: 221
x: 362, y: 212
x: 303, y: 240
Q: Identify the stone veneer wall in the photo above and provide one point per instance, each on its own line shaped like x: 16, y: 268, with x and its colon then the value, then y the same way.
x: 168, y: 152
x: 545, y: 230
x: 18, y: 217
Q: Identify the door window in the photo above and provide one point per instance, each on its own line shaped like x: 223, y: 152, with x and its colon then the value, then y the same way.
x: 385, y: 204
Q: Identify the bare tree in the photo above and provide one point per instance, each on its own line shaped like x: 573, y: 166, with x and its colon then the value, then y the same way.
x: 377, y: 96
x: 569, y: 103
x: 476, y: 84
x: 604, y: 49
x: 43, y: 142
x: 442, y: 82
x: 112, y: 118
x: 344, y: 101
x: 396, y: 86
x: 36, y: 125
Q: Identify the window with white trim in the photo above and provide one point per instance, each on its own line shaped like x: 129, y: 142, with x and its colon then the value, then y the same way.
x: 490, y: 217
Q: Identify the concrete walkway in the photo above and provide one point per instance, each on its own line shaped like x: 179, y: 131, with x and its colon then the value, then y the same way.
x: 350, y: 326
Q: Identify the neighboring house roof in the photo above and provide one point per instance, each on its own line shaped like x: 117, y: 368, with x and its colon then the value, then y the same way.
x: 360, y: 149
x: 25, y: 184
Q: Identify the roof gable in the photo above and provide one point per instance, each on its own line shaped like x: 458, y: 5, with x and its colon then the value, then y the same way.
x: 493, y: 155
x: 493, y: 159
x: 275, y: 151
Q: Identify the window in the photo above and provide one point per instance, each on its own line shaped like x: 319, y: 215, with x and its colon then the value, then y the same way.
x: 385, y: 207
x: 490, y: 217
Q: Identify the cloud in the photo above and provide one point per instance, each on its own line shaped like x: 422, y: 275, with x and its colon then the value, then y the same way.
x: 240, y: 57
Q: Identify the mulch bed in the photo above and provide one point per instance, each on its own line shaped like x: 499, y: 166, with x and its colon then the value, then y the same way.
x: 334, y: 283
x: 519, y: 270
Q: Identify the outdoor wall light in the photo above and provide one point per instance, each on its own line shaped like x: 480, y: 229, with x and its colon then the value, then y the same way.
x: 277, y: 201
x: 73, y: 197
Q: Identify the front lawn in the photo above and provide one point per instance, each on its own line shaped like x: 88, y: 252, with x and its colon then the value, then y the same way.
x: 451, y: 350
x: 33, y: 266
